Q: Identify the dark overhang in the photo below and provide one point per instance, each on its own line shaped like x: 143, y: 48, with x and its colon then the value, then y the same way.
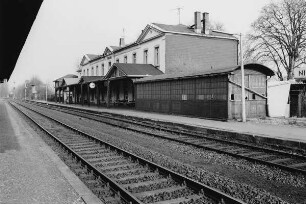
x: 16, y: 19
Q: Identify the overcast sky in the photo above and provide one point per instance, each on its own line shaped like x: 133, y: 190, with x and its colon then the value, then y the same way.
x: 65, y: 30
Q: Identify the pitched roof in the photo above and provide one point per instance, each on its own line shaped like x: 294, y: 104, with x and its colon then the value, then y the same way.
x: 66, y: 76
x: 114, y: 47
x: 88, y: 79
x: 183, y: 29
x: 174, y: 28
x: 71, y: 81
x: 92, y: 56
x: 218, y: 71
x: 130, y: 69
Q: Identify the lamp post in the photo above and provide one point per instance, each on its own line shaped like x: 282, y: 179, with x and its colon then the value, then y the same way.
x: 243, y: 114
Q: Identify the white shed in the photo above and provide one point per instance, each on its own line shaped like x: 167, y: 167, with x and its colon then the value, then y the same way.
x: 278, y: 98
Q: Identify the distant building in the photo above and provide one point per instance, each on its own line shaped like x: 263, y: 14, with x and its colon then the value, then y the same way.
x: 62, y: 91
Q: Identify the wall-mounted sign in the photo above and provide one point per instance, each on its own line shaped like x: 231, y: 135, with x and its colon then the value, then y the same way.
x: 92, y: 85
x: 300, y: 73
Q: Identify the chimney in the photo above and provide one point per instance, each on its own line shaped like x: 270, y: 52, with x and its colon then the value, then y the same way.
x: 197, y: 22
x: 205, y: 23
x: 121, y: 42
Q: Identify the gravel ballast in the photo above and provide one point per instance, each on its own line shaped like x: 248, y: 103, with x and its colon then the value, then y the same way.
x: 251, y: 182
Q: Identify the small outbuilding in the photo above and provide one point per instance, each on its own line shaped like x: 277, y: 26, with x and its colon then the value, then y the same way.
x: 210, y: 94
x: 278, y: 98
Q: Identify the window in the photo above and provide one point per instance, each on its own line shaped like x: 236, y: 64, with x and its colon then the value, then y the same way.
x: 145, y: 56
x: 109, y: 64
x: 232, y: 97
x: 97, y: 70
x: 102, y: 71
x: 156, y: 56
x: 253, y: 96
x: 84, y: 72
x: 125, y: 59
x: 88, y: 72
x: 92, y: 71
x: 117, y: 60
x: 134, y: 58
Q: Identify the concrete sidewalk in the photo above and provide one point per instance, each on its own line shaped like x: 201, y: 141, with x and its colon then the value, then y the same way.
x: 280, y: 132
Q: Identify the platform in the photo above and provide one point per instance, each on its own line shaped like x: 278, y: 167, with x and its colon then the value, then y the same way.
x: 279, y: 134
x: 30, y: 172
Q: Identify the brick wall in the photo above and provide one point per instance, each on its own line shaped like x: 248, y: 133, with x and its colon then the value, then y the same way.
x: 188, y: 53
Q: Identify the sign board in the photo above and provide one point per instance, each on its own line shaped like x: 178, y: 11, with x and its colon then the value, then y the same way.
x: 92, y: 85
x: 300, y: 73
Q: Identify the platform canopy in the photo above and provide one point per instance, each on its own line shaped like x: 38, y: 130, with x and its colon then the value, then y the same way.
x: 16, y: 19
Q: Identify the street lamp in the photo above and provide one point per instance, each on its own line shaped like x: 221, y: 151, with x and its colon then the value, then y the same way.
x: 243, y: 114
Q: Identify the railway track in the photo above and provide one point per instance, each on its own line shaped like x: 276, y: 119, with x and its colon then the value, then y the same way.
x: 291, y: 162
x: 117, y: 176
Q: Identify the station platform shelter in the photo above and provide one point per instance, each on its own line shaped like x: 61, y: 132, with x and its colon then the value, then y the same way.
x: 116, y: 88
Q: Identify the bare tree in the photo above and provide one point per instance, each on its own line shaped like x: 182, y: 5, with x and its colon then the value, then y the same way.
x: 216, y: 26
x: 279, y: 36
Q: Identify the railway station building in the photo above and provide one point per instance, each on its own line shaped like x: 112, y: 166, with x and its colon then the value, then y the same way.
x: 196, y: 63
x: 170, y: 48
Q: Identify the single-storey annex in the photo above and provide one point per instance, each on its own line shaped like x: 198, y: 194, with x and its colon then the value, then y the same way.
x: 211, y: 94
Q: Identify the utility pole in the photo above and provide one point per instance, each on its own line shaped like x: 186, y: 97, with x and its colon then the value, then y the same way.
x: 242, y: 82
